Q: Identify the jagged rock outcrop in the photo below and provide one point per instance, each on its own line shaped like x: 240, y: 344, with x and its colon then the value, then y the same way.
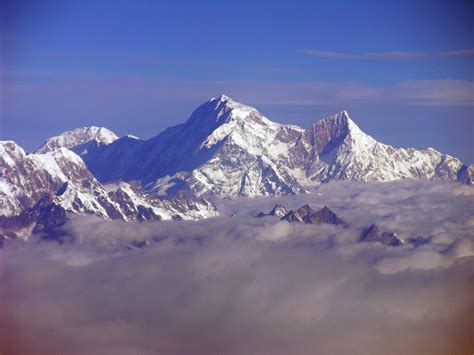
x: 44, y: 218
x: 374, y: 234
x: 62, y: 174
x: 277, y: 211
x: 466, y: 174
x: 307, y: 215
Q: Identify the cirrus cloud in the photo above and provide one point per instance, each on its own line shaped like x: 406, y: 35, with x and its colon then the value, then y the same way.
x: 391, y: 55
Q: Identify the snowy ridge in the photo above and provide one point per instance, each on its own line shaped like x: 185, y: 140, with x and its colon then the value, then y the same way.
x: 241, y: 152
x: 230, y: 149
x: 62, y: 174
x: 78, y: 137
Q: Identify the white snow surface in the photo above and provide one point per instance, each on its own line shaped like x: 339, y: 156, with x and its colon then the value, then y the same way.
x: 78, y: 136
x: 64, y: 175
x: 227, y: 149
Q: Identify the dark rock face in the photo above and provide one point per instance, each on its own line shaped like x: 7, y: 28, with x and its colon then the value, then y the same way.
x: 277, y: 211
x: 46, y: 216
x: 373, y: 234
x: 465, y: 175
x: 420, y: 240
x: 325, y: 215
x: 49, y: 218
x: 291, y: 217
x: 307, y: 215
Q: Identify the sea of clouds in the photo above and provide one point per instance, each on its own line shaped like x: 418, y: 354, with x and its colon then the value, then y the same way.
x: 237, y: 284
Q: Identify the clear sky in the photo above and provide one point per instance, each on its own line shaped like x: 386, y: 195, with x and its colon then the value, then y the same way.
x: 403, y: 69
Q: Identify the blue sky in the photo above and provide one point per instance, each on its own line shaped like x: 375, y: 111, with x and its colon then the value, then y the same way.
x: 403, y: 69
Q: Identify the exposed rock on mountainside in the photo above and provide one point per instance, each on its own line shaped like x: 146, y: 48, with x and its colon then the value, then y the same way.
x: 43, y: 218
x: 277, y: 211
x: 374, y: 234
x: 466, y: 174
x: 307, y: 215
x: 225, y: 149
x: 62, y: 174
x: 229, y: 149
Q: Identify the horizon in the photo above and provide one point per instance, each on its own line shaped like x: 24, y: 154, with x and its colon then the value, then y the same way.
x: 138, y: 68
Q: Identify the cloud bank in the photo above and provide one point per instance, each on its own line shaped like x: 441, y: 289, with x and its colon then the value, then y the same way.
x: 392, y: 55
x: 244, y: 285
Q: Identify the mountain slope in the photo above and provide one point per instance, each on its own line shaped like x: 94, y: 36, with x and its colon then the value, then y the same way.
x: 344, y: 152
x: 80, y: 140
x: 229, y: 149
x: 62, y: 174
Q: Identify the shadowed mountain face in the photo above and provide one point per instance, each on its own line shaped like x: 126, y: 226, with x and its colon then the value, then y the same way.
x: 307, y: 215
x: 229, y: 149
x: 374, y: 234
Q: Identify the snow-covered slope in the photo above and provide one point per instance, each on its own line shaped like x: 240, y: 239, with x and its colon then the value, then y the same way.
x: 25, y: 179
x: 338, y: 149
x: 107, y: 162
x: 80, y: 140
x: 229, y: 149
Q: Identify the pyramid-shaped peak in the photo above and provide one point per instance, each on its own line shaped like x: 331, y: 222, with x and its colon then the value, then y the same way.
x: 337, y: 127
x: 220, y: 110
x: 326, y: 209
x: 305, y: 209
x: 341, y: 118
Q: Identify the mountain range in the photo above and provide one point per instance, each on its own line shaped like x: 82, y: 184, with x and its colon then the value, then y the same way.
x: 225, y: 149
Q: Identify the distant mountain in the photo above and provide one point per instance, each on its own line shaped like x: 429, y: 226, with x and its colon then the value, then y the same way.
x: 79, y: 140
x: 63, y: 176
x: 228, y: 149
x: 107, y: 162
x: 278, y: 211
x: 374, y: 234
x: 307, y: 215
x: 224, y: 149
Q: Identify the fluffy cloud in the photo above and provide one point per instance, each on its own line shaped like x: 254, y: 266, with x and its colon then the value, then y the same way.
x: 245, y: 285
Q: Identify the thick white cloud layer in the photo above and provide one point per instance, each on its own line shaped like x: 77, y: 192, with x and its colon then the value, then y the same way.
x: 245, y: 285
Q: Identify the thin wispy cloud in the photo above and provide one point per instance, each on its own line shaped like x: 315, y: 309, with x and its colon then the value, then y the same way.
x: 391, y: 55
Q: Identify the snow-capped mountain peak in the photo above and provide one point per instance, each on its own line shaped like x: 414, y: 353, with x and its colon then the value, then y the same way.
x: 79, y: 137
x: 221, y: 98
x: 227, y: 148
x: 63, y: 175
